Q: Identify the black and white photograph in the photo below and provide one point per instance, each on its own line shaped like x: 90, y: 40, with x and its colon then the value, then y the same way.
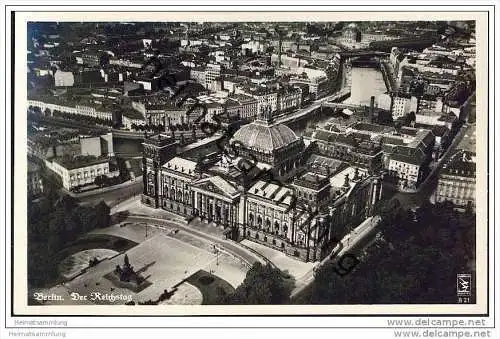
x: 250, y: 163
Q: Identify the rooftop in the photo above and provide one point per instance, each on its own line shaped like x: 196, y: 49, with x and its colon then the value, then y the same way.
x: 414, y: 156
x: 324, y: 165
x: 364, y: 126
x: 312, y: 180
x: 279, y: 194
x: 265, y: 137
x: 181, y: 165
x: 80, y: 161
x: 462, y: 163
x: 338, y: 179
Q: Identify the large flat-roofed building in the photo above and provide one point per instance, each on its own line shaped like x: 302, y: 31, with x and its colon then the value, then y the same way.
x: 408, y: 166
x: 406, y: 153
x: 81, y: 170
x: 87, y: 109
x: 97, y: 145
x: 353, y: 146
x: 240, y: 106
x: 63, y: 79
x: 351, y: 33
x: 267, y: 98
x: 212, y: 72
x: 457, y: 180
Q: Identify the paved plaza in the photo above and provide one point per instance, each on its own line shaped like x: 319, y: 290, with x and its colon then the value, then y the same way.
x: 163, y: 257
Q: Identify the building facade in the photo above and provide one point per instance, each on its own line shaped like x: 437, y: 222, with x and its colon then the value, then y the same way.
x: 302, y: 217
x: 63, y: 79
x: 457, y: 181
x: 77, y: 109
x: 212, y: 73
x: 80, y: 171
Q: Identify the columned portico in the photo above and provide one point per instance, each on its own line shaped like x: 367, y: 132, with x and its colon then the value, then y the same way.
x: 215, y: 205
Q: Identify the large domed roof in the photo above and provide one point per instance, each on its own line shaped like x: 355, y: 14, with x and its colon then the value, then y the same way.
x: 264, y: 136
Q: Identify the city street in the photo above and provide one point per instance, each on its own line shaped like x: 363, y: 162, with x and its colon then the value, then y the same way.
x: 357, y: 237
x: 110, y: 195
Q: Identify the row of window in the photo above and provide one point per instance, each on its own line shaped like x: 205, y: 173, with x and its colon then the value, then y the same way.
x: 177, y: 195
x: 86, y: 174
x: 450, y: 190
x: 458, y: 202
x: 306, y: 196
x: 274, y: 242
x: 269, y: 211
x: 179, y: 184
x: 258, y: 222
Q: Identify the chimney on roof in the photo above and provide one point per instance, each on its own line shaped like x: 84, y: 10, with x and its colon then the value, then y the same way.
x: 279, y: 50
x: 372, y: 104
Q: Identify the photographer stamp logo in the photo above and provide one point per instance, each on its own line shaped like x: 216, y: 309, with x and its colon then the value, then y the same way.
x: 464, y: 285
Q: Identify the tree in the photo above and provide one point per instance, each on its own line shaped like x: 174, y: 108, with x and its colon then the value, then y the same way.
x: 86, y: 215
x: 98, y: 181
x: 106, y: 181
x: 397, y: 125
x: 67, y: 203
x: 102, y: 214
x: 73, y: 228
x: 411, y: 117
x: 57, y: 222
x: 263, y: 284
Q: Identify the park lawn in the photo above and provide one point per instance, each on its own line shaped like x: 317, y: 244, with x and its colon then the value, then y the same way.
x: 93, y: 241
x: 211, y: 286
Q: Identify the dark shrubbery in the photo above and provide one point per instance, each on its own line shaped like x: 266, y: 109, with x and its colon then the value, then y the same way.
x: 417, y: 262
x: 54, y: 221
x: 263, y: 284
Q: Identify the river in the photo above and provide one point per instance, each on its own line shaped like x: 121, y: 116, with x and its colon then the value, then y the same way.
x: 365, y: 82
